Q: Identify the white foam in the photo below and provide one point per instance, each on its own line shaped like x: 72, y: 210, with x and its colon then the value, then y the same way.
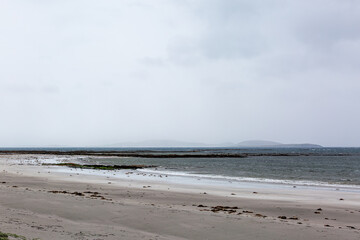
x: 249, y: 179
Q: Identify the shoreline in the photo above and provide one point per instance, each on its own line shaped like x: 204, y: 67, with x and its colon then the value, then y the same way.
x: 139, y: 204
x: 176, y: 177
x: 271, y: 183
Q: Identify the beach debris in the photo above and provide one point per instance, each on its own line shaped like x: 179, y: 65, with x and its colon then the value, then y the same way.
x: 246, y: 211
x: 92, y: 192
x: 319, y: 209
x: 231, y: 211
x: 205, y: 210
x: 293, y: 218
x: 351, y: 227
x: 316, y: 212
x: 77, y: 194
x: 216, y: 209
x: 224, y: 209
x: 282, y: 217
x: 93, y: 195
x: 327, y: 225
x: 255, y: 192
x: 3, y: 182
x: 341, y: 199
x: 233, y: 194
x: 260, y: 215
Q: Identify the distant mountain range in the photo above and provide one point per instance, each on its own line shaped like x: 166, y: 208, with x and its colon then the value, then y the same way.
x: 245, y: 144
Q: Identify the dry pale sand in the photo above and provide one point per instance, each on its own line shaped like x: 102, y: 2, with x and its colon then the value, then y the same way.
x: 38, y: 202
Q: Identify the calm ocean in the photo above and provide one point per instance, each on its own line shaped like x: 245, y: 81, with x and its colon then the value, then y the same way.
x: 318, y: 166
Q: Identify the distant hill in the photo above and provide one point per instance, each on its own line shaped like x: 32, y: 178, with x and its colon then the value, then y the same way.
x: 160, y: 143
x: 258, y: 143
x: 270, y: 144
x: 245, y: 144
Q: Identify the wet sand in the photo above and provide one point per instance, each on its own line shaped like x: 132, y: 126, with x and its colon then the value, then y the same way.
x: 40, y: 202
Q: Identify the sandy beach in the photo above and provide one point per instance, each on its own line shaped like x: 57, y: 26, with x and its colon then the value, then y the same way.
x: 48, y: 202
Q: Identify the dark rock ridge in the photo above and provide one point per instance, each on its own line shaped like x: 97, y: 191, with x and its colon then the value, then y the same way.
x: 99, y: 167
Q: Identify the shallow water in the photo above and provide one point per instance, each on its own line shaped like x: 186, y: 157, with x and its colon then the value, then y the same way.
x: 313, y: 167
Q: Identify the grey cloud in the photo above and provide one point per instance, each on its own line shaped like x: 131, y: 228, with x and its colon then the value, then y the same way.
x: 230, y: 45
x: 334, y: 23
x: 93, y: 72
x: 152, y: 61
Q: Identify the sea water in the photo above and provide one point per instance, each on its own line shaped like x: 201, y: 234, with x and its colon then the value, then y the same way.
x: 318, y: 166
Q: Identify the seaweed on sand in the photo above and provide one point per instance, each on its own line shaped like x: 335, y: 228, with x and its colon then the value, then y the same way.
x: 5, y: 236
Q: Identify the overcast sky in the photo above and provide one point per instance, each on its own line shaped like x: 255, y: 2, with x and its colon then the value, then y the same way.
x: 87, y: 72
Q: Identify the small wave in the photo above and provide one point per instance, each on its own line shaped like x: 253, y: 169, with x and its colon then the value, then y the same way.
x: 249, y: 179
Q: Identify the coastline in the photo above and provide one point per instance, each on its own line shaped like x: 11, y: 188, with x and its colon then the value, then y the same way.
x: 153, y: 207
